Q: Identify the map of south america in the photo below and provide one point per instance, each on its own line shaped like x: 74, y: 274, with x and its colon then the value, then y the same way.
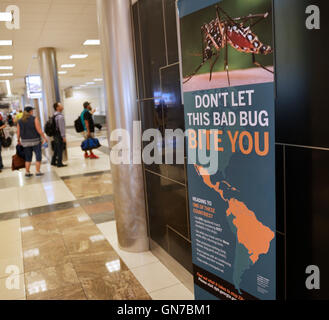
x: 253, y: 238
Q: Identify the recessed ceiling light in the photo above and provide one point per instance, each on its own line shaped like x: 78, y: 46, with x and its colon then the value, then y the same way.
x: 6, y: 42
x: 6, y: 16
x: 62, y: 72
x: 78, y: 56
x: 6, y: 57
x: 90, y: 82
x: 6, y: 74
x: 83, y: 85
x: 98, y: 79
x: 6, y: 68
x: 92, y: 42
x: 67, y: 65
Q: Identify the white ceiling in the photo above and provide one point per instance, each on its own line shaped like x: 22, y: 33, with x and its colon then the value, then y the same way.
x: 62, y: 24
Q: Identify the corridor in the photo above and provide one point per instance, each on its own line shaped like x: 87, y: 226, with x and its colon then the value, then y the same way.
x: 59, y: 238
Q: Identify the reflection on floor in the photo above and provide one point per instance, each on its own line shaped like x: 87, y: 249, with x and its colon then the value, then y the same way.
x: 58, y: 237
x: 89, y: 187
x: 157, y: 280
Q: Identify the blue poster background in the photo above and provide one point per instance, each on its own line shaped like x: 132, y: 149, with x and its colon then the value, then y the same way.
x: 254, y: 178
x: 233, y: 209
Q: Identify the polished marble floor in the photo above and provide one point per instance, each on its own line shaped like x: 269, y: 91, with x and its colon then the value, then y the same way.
x: 58, y: 237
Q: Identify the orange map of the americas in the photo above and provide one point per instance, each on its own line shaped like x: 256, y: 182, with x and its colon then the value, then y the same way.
x: 250, y: 232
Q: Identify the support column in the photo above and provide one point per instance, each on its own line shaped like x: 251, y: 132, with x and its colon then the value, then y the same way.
x: 50, y: 87
x: 37, y: 108
x: 23, y: 102
x: 114, y: 22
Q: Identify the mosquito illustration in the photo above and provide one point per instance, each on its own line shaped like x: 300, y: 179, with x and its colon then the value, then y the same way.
x: 236, y: 32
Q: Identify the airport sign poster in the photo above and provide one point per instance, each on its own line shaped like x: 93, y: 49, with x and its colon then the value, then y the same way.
x: 33, y: 86
x: 228, y: 85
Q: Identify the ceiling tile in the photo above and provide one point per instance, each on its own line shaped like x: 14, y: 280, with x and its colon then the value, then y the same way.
x: 63, y: 24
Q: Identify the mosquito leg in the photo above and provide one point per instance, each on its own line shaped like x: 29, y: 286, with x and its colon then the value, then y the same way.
x: 218, y: 8
x: 256, y: 63
x: 204, y: 59
x: 213, y: 64
x: 251, y: 17
x: 260, y: 19
x: 226, y: 60
x: 242, y: 20
x: 217, y: 13
x: 195, y: 72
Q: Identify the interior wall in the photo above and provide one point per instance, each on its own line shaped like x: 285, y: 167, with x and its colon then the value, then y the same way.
x: 160, y: 106
x: 73, y: 106
x: 302, y: 148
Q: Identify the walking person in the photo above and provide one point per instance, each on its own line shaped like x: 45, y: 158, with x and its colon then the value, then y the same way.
x: 59, y: 137
x: 89, y: 126
x: 30, y: 136
x: 2, y: 126
x: 18, y: 116
x: 10, y: 120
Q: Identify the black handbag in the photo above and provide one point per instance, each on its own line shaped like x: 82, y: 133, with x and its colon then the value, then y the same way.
x: 5, y: 142
x: 20, y: 151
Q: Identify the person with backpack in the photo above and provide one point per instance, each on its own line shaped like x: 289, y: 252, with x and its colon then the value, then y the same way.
x: 88, y: 126
x: 59, y: 134
x: 30, y: 136
x: 10, y: 120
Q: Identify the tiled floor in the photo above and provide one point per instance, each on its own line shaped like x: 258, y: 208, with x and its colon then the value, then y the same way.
x: 157, y: 280
x: 89, y: 187
x: 58, y: 236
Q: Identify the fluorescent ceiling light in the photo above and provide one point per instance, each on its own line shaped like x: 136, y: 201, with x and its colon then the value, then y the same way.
x: 6, y: 16
x: 6, y: 42
x: 6, y: 74
x: 67, y: 65
x: 6, y: 68
x: 78, y: 56
x: 83, y: 85
x: 90, y: 82
x: 6, y: 57
x: 62, y: 72
x: 98, y: 79
x: 8, y: 88
x: 92, y: 42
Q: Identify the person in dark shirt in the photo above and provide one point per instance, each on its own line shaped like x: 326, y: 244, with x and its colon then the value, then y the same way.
x: 59, y: 137
x: 89, y: 126
x: 2, y: 126
x: 31, y: 137
x: 10, y: 120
